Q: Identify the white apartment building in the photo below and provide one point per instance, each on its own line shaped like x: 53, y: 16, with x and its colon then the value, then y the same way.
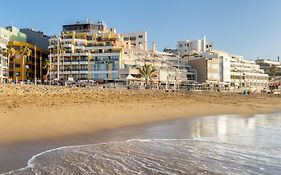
x: 170, y: 70
x: 196, y: 46
x: 220, y: 67
x: 136, y: 40
x: 4, y: 39
x: 267, y: 65
x: 213, y: 67
x: 246, y: 74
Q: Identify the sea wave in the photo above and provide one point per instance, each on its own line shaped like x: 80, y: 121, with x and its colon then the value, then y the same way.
x: 181, y: 156
x: 256, y: 149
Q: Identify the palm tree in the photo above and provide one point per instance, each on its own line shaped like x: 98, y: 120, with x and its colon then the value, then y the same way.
x: 46, y: 67
x: 1, y: 62
x: 273, y: 69
x: 25, y: 52
x: 9, y: 53
x: 147, y: 71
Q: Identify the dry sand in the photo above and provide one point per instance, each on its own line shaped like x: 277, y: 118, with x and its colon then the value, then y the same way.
x: 36, y: 112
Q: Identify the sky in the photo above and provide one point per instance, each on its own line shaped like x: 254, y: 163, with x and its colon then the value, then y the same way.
x: 251, y: 28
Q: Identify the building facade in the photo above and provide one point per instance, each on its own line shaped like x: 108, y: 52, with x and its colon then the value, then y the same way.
x: 212, y: 67
x: 136, y: 40
x: 4, y: 39
x: 85, y: 51
x: 91, y: 51
x: 196, y: 46
x: 267, y: 66
x: 220, y: 68
x: 26, y: 68
x: 246, y: 74
x: 37, y: 38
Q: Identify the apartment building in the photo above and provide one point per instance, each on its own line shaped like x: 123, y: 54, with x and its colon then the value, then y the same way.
x: 86, y: 51
x: 19, y: 66
x: 212, y: 67
x: 37, y: 38
x: 4, y: 39
x: 267, y: 66
x: 196, y: 46
x: 26, y: 67
x: 171, y: 70
x: 7, y: 34
x: 136, y: 40
x: 221, y: 68
x: 246, y: 74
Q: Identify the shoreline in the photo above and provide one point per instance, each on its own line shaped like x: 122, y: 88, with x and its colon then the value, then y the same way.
x: 30, y: 149
x: 38, y: 118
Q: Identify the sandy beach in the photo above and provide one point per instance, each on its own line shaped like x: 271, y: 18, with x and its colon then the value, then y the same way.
x: 36, y: 112
x: 37, y: 118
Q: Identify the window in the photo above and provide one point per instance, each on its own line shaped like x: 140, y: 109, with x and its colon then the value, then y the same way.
x: 180, y: 45
x: 140, y: 36
x: 115, y: 58
x: 84, y: 76
x: 114, y: 76
x: 114, y: 66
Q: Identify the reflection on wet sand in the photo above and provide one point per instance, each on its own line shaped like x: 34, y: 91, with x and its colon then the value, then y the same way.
x: 208, y: 145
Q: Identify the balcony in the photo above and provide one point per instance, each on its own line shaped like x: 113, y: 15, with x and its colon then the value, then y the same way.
x: 67, y: 45
x: 74, y: 62
x: 84, y: 62
x: 84, y: 71
x: 75, y: 72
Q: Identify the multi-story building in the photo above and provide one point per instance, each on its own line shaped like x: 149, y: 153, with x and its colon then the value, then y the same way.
x: 37, y: 38
x: 14, y: 34
x: 196, y: 46
x: 3, y: 59
x: 86, y: 51
x: 267, y: 66
x: 136, y: 40
x: 91, y: 51
x: 8, y: 34
x: 246, y: 74
x: 212, y: 67
x: 26, y: 67
x: 23, y: 67
x: 171, y: 70
x: 219, y: 67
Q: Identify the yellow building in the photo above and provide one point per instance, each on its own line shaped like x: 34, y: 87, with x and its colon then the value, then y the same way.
x: 86, y: 51
x: 24, y: 67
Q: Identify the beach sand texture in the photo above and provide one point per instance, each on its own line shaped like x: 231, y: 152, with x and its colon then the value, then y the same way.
x: 29, y: 112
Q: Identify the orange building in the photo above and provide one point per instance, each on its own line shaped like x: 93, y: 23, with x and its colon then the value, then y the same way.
x: 26, y: 67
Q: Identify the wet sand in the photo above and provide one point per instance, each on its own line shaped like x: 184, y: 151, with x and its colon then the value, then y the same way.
x: 37, y: 118
x: 15, y: 156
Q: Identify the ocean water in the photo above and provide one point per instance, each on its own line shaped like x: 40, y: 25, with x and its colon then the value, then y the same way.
x: 215, y: 145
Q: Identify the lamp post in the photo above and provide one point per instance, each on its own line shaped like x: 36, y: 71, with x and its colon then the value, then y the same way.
x: 58, y: 63
x: 35, y: 71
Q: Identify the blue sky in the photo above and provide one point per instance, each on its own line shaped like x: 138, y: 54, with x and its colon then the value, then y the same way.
x: 251, y: 28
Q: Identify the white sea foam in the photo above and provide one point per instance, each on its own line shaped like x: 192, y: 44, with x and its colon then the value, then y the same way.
x: 251, y: 151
